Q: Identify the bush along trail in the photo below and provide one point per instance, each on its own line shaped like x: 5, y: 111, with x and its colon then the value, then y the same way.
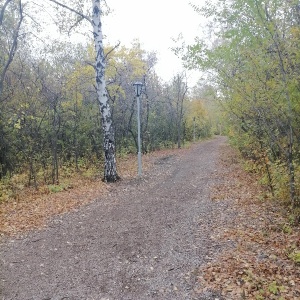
x: 195, y: 226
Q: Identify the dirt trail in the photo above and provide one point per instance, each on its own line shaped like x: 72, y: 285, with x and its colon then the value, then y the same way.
x: 144, y: 242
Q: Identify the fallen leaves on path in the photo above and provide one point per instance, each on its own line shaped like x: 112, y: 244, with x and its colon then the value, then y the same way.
x: 262, y: 261
x: 32, y: 209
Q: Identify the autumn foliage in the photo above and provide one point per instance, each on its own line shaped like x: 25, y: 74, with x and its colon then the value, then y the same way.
x: 252, y: 54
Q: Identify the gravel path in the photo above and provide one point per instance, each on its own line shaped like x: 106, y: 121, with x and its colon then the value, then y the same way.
x: 145, y: 242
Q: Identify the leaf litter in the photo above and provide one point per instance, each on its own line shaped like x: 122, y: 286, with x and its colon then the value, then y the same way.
x: 34, y: 208
x: 262, y: 263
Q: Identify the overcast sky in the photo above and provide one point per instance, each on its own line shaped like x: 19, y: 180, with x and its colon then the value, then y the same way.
x: 154, y: 23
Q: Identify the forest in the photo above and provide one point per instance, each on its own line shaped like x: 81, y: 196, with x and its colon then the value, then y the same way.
x: 251, y: 53
x: 215, y: 213
x: 51, y: 125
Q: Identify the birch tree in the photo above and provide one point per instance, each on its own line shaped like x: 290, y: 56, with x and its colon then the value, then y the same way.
x: 110, y: 167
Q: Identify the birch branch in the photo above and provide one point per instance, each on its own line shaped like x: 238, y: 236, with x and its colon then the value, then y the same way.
x: 83, y: 16
x: 113, y: 49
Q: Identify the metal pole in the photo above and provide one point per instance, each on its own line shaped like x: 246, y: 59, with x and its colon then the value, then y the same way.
x: 139, y: 137
x: 194, y: 130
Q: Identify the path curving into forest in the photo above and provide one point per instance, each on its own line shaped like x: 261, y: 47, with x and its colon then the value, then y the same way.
x: 144, y: 241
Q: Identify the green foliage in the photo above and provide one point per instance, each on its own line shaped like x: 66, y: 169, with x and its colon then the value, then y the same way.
x: 259, y: 297
x: 51, y: 126
x: 274, y: 288
x: 57, y: 188
x: 287, y: 229
x: 295, y: 256
x: 197, y: 120
x: 12, y: 187
x: 253, y: 62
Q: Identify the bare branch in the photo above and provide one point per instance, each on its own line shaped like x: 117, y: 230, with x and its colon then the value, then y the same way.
x: 72, y: 10
x: 90, y: 64
x: 113, y: 49
x: 75, y: 24
x: 42, y: 7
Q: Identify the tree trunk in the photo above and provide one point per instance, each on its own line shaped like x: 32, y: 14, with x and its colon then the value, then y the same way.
x: 54, y: 148
x: 110, y: 167
x: 14, y: 40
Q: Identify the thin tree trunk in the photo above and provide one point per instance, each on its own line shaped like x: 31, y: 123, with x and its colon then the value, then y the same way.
x: 32, y: 172
x: 54, y: 159
x: 110, y: 167
x: 14, y: 43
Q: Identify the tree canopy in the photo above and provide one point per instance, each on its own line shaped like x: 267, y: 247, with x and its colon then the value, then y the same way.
x: 252, y: 57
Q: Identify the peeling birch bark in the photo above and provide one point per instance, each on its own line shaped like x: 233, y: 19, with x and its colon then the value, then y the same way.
x: 110, y: 168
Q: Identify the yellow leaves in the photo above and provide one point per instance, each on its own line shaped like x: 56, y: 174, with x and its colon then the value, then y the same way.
x: 126, y: 60
x: 17, y: 125
x: 272, y: 84
x: 82, y: 75
x: 295, y: 31
x: 195, y: 111
x: 91, y: 51
x: 116, y: 90
x: 121, y: 63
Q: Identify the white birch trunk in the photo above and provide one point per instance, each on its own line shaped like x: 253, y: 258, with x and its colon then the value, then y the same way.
x: 110, y: 168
